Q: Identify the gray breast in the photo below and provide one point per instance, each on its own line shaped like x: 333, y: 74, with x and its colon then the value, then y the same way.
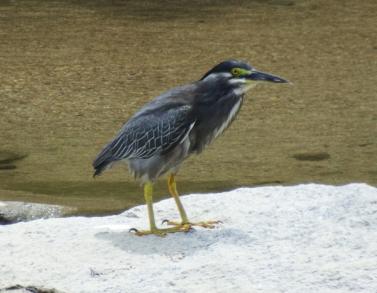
x: 213, y: 120
x: 228, y: 120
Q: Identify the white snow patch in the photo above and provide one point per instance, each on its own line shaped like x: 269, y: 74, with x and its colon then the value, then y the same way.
x: 306, y: 238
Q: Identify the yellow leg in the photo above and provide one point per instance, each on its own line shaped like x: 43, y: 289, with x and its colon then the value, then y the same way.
x: 148, y: 195
x: 172, y: 186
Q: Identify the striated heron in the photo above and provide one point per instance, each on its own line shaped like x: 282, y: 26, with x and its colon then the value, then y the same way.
x: 176, y: 124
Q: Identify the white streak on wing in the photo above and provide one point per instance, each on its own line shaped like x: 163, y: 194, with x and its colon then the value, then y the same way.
x: 162, y: 129
x: 188, y: 132
x: 120, y: 152
x: 232, y: 113
x: 117, y: 143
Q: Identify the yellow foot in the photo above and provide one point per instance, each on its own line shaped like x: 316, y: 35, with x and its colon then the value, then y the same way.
x: 204, y: 224
x: 161, y: 232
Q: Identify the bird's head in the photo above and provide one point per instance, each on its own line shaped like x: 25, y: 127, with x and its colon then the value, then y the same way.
x: 240, y: 76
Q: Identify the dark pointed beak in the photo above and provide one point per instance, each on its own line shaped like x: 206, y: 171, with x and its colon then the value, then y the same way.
x: 263, y: 76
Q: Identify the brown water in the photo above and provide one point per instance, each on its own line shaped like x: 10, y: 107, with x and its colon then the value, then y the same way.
x: 71, y: 72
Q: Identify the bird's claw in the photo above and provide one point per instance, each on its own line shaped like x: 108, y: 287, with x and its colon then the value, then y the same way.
x: 186, y: 227
x: 156, y: 232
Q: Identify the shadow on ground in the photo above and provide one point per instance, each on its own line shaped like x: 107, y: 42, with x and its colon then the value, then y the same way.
x: 176, y: 245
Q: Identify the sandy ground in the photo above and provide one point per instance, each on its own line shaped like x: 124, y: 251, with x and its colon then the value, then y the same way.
x: 73, y: 71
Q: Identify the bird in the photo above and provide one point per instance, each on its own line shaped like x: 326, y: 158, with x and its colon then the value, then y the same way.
x: 176, y: 124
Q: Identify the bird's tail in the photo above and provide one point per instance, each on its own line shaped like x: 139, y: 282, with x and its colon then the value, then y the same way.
x: 98, y: 169
x: 102, y: 162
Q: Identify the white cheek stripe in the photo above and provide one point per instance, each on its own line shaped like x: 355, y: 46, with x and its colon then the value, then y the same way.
x: 243, y: 89
x: 217, y: 75
x: 237, y: 81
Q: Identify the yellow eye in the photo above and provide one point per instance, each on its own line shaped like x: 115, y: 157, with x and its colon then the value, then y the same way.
x: 236, y: 72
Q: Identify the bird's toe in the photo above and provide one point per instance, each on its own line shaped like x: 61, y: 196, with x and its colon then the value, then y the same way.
x: 190, y: 225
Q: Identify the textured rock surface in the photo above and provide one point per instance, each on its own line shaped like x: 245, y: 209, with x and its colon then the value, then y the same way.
x: 306, y: 238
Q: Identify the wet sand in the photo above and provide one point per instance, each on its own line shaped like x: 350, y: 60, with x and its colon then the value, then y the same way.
x: 73, y: 71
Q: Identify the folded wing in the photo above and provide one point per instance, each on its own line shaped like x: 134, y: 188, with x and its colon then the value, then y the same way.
x: 146, y: 135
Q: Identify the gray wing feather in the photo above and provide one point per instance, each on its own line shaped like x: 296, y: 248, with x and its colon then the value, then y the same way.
x: 147, y: 134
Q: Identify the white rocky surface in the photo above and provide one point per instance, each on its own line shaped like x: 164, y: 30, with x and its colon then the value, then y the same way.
x: 305, y: 238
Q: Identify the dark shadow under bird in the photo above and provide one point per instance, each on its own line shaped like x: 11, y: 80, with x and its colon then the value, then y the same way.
x: 176, y: 124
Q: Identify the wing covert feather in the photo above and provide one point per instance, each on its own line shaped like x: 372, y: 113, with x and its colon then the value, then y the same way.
x: 145, y: 135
